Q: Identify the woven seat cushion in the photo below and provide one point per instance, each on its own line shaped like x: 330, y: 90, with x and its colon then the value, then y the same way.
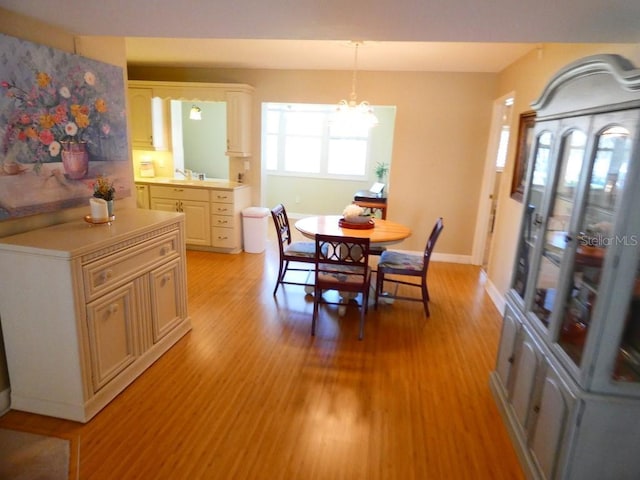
x: 401, y: 261
x: 341, y: 274
x: 301, y: 249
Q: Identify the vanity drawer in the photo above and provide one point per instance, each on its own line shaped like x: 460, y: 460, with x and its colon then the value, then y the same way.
x: 223, y: 237
x: 104, y: 274
x: 179, y: 193
x: 222, y: 196
x: 226, y: 221
x: 221, y: 208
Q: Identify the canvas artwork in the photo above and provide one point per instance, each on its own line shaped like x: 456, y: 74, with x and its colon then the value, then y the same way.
x: 62, y: 124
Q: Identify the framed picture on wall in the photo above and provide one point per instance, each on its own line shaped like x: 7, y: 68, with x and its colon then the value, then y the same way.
x: 62, y: 125
x: 525, y: 138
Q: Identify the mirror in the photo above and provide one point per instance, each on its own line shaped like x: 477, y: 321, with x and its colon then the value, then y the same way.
x: 200, y: 145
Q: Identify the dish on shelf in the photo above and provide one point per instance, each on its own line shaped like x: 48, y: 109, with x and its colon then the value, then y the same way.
x: 99, y: 221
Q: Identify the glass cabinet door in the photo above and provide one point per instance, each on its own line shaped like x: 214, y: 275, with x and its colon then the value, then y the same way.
x: 627, y: 367
x: 532, y: 212
x: 557, y: 225
x: 606, y: 181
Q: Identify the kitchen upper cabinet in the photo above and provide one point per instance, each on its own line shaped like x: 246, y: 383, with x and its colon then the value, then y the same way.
x: 238, y: 97
x: 239, y: 105
x: 572, y: 321
x: 140, y: 117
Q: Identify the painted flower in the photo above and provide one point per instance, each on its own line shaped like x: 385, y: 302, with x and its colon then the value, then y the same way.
x: 71, y: 129
x: 54, y: 149
x: 90, y: 78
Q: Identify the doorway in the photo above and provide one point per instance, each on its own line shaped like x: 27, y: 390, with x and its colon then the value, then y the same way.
x: 494, y: 166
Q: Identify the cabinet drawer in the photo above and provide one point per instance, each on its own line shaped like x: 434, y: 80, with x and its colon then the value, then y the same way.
x: 225, y: 221
x: 223, y: 237
x: 106, y: 273
x: 222, y: 196
x: 221, y: 208
x: 179, y: 193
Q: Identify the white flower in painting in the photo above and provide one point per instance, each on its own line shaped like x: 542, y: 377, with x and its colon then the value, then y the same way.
x: 71, y: 129
x: 64, y: 92
x: 90, y: 78
x: 54, y: 149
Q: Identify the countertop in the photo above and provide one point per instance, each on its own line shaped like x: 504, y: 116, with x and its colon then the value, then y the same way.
x: 216, y: 183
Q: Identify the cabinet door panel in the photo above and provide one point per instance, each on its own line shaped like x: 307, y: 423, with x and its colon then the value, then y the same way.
x: 166, y: 306
x: 111, y: 337
x: 549, y: 427
x: 523, y: 387
x: 197, y: 222
x: 164, y: 204
x: 140, y: 108
x: 506, y: 353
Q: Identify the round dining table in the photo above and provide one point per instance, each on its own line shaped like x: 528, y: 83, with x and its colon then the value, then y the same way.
x: 384, y: 232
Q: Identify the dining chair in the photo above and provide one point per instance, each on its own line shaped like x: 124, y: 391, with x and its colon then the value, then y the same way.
x: 407, y: 265
x: 342, y: 264
x: 290, y: 251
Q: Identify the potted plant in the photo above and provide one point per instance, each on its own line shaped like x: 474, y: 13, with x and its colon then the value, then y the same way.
x: 381, y: 170
x: 103, y: 188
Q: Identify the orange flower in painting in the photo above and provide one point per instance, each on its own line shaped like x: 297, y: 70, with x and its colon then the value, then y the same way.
x: 47, y: 121
x: 82, y: 120
x: 30, y: 132
x: 101, y: 105
x: 43, y: 79
x: 78, y: 110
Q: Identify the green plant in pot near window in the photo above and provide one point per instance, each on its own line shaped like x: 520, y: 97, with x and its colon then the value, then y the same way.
x: 381, y: 171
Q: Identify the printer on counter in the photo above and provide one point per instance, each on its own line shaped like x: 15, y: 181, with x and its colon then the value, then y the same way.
x: 374, y: 194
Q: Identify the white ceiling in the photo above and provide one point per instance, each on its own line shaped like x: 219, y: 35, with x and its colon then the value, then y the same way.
x: 446, y: 35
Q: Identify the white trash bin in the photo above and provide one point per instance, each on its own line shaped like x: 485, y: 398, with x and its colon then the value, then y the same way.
x: 254, y: 225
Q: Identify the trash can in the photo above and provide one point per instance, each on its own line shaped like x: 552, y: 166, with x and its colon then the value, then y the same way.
x: 254, y: 226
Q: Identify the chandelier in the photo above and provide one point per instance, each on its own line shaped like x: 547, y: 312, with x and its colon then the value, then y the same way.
x: 350, y: 111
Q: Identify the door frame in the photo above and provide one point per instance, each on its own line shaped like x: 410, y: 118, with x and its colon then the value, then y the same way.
x: 488, y: 180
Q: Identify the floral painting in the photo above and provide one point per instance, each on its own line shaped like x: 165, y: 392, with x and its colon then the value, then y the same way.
x: 62, y: 125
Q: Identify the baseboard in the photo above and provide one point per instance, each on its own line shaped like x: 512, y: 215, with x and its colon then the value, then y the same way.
x: 5, y: 401
x: 494, y: 294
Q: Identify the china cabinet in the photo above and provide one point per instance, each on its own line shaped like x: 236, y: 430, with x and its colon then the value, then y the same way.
x: 567, y: 376
x: 88, y: 308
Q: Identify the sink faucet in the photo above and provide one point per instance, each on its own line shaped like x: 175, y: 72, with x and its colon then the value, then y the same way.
x: 187, y: 174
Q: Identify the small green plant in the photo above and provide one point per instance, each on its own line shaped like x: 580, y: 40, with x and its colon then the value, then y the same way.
x: 381, y: 170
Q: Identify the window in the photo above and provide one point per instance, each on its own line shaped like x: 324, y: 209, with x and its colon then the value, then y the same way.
x: 301, y: 139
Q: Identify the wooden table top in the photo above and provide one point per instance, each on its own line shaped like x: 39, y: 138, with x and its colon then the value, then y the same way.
x: 384, y: 232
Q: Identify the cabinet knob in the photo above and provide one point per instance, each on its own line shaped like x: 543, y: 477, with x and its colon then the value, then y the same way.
x: 536, y: 409
x: 511, y: 359
x: 105, y: 275
x: 165, y: 278
x: 163, y: 251
x: 113, y: 308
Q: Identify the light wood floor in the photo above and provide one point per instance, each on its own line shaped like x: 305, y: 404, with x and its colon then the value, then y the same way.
x: 249, y: 394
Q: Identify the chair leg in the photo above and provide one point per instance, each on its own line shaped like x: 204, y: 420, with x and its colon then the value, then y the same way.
x: 379, y: 283
x: 316, y: 301
x: 362, y: 315
x: 425, y: 298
